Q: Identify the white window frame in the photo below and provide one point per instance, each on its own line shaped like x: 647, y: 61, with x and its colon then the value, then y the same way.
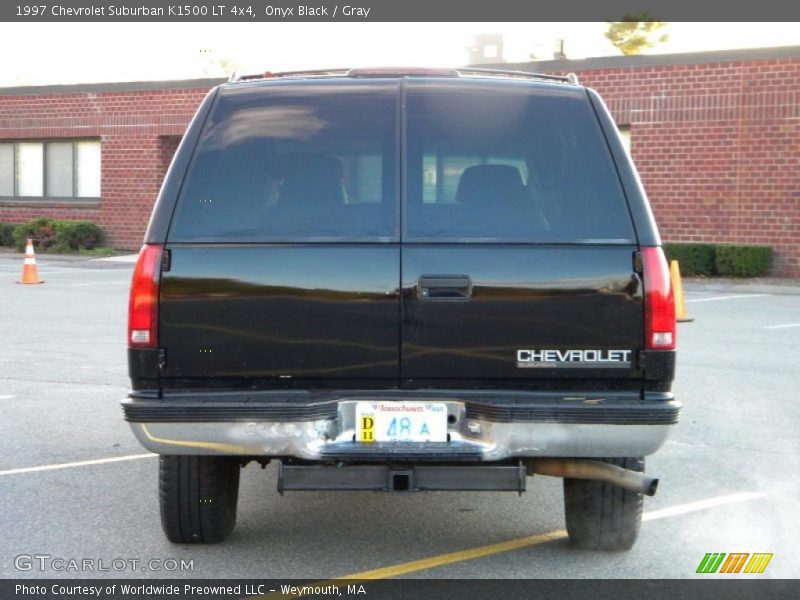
x: 74, y: 197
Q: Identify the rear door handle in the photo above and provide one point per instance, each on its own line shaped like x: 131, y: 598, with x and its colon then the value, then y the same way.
x: 444, y: 287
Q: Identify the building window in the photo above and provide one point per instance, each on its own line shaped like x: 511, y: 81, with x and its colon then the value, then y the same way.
x: 6, y: 169
x: 64, y: 169
x: 88, y: 170
x: 30, y: 166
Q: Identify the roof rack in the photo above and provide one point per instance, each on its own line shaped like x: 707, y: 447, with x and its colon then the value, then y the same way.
x: 570, y: 78
x: 270, y: 75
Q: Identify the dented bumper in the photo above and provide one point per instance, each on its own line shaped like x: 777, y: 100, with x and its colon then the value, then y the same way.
x: 479, y: 428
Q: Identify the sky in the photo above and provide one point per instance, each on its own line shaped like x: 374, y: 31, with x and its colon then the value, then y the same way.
x: 59, y: 53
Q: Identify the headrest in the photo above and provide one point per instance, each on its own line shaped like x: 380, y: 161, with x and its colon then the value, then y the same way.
x: 311, y: 178
x: 489, y: 183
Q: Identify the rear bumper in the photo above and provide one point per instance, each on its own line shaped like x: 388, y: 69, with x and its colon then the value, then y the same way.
x: 480, y: 429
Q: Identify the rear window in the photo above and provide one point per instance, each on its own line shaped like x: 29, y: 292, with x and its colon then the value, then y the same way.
x: 294, y: 162
x: 509, y: 162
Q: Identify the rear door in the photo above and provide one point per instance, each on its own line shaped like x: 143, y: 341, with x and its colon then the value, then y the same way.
x: 518, y: 248
x: 284, y: 256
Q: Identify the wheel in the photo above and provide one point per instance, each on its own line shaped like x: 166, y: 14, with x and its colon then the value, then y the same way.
x: 198, y: 497
x: 602, y: 516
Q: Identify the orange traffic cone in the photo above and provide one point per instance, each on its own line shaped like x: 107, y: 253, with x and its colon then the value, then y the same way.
x: 29, y: 272
x: 677, y: 286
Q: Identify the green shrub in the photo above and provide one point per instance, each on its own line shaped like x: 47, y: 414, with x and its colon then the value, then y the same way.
x: 725, y: 260
x: 52, y: 235
x: 694, y: 259
x: 743, y: 261
x: 43, y: 230
x: 79, y: 235
x: 7, y: 234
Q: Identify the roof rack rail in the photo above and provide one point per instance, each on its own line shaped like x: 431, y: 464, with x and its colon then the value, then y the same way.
x: 402, y: 72
x: 570, y: 78
x: 270, y: 75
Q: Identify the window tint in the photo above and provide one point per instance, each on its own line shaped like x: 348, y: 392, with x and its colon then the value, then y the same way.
x: 293, y: 162
x: 507, y: 162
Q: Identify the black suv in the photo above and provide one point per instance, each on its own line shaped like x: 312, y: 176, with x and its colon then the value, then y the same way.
x: 403, y: 280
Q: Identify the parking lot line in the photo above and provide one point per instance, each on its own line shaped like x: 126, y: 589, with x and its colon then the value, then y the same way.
x: 736, y: 297
x: 782, y: 326
x: 689, y: 507
x: 460, y: 556
x: 70, y: 465
x: 507, y: 546
x: 535, y: 540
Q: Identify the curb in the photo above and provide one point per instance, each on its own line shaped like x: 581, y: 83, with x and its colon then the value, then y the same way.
x: 69, y: 258
x: 67, y: 261
x: 745, y: 287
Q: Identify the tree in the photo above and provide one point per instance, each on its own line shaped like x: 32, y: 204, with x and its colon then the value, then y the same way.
x: 636, y: 33
x: 213, y: 65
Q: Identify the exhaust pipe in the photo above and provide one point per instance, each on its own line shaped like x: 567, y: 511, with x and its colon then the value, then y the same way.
x: 594, y: 469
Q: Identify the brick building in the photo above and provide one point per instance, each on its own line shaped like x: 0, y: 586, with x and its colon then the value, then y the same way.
x: 715, y: 136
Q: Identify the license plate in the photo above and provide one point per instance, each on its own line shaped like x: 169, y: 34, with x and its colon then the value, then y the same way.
x: 401, y: 422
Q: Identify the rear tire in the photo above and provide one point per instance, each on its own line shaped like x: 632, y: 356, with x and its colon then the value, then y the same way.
x: 198, y: 496
x: 601, y: 516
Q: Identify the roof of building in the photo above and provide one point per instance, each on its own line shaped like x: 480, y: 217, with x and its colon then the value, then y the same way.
x: 650, y: 60
x: 116, y: 86
x: 563, y: 65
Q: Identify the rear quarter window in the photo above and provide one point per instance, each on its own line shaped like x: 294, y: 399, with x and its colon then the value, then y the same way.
x: 294, y: 162
x: 509, y: 162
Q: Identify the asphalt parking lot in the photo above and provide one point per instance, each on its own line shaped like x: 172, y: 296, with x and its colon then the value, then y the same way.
x: 729, y: 477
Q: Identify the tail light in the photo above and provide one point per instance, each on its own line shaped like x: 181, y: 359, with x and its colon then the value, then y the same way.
x: 143, y: 305
x: 659, y: 301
